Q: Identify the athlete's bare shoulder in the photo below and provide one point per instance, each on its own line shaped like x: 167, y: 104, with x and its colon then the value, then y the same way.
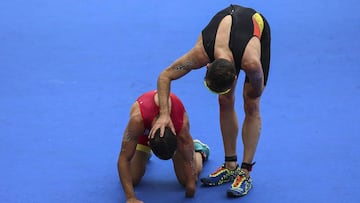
x: 198, y: 53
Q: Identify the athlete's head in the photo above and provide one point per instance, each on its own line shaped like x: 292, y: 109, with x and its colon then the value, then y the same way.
x: 164, y: 147
x: 220, y: 76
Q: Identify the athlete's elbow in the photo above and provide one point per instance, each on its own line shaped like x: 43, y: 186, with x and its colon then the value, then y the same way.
x: 163, y: 81
x: 165, y: 77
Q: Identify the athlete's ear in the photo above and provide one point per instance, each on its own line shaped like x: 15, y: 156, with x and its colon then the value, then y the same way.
x: 208, y: 65
x: 235, y: 79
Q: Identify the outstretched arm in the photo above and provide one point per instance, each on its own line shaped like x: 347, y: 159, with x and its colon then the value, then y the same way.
x: 134, y: 128
x: 185, y: 166
x: 184, y: 159
x: 194, y: 59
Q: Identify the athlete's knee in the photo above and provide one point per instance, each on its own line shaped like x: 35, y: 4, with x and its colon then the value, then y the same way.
x: 251, y: 63
x: 254, y: 93
x: 226, y: 101
x: 252, y: 107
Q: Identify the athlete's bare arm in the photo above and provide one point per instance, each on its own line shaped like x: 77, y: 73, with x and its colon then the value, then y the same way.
x: 194, y: 59
x: 133, y: 130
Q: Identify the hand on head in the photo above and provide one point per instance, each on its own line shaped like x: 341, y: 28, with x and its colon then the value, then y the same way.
x: 163, y: 147
x: 161, y: 123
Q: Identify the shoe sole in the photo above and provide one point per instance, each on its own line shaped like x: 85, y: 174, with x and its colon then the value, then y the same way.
x: 207, y: 183
x: 233, y: 194
x: 210, y: 184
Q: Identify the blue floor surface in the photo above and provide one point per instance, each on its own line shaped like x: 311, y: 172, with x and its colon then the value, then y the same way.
x: 70, y: 70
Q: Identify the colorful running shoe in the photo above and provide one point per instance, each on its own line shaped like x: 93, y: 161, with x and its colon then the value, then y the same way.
x: 202, y: 148
x: 241, y: 186
x: 220, y: 176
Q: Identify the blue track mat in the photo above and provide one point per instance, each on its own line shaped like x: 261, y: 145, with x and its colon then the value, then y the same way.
x: 70, y: 70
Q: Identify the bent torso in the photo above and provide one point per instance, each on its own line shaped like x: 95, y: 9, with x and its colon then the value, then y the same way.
x: 221, y: 49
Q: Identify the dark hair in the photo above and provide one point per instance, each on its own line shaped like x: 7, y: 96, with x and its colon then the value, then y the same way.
x: 220, y: 75
x: 164, y: 147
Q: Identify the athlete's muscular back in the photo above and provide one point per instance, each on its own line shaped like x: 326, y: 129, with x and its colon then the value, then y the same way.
x: 221, y: 49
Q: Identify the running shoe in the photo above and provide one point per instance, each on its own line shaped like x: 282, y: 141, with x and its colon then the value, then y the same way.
x: 202, y: 148
x: 220, y: 176
x: 241, y: 185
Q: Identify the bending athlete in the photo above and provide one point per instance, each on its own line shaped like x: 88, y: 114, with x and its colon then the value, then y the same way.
x: 237, y: 38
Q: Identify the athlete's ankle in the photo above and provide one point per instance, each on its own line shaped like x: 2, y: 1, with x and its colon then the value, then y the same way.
x: 231, y: 162
x: 247, y: 173
x: 231, y: 165
x: 246, y: 168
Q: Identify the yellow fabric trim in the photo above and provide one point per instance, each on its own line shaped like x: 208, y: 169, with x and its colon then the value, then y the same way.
x: 143, y: 148
x: 260, y: 21
x: 219, y: 93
